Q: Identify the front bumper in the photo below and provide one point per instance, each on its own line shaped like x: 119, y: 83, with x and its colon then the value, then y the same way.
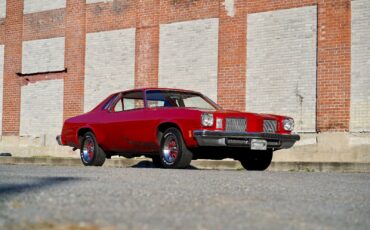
x: 243, y: 139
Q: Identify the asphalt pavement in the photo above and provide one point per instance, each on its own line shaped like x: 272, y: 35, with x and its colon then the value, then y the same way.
x: 44, y: 197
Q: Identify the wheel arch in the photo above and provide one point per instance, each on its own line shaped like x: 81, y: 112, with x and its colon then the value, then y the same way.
x: 81, y: 132
x: 164, y: 126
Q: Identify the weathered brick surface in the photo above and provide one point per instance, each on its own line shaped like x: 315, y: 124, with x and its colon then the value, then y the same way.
x: 42, y: 108
x: 188, y: 56
x: 2, y: 8
x: 360, y: 80
x: 200, y: 45
x: 1, y: 84
x: 12, y: 65
x: 110, y: 64
x: 147, y: 43
x: 32, y: 6
x: 2, y: 32
x: 95, y: 1
x: 232, y: 55
x: 43, y: 55
x: 75, y: 38
x: 255, y: 6
x: 281, y: 64
x: 110, y: 15
x: 334, y: 65
x: 42, y: 25
x: 186, y: 10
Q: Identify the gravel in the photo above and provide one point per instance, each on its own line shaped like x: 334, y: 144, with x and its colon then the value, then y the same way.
x: 43, y: 197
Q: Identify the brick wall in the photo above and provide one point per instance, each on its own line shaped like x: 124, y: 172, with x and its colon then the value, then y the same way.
x: 360, y: 70
x: 1, y: 84
x: 2, y: 8
x: 109, y: 64
x: 44, y: 55
x: 281, y: 64
x: 188, y: 56
x: 214, y: 46
x: 32, y: 6
x: 41, y: 108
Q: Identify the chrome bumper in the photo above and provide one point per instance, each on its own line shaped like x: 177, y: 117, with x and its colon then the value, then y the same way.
x: 243, y: 139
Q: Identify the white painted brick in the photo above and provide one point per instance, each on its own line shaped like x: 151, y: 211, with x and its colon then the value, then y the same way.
x: 95, y: 1
x: 42, y: 108
x: 360, y: 81
x: 43, y: 55
x: 109, y: 64
x: 1, y: 85
x: 2, y: 8
x: 281, y: 64
x: 188, y: 56
x: 32, y: 6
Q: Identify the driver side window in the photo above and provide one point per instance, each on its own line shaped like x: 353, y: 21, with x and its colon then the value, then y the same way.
x: 129, y: 101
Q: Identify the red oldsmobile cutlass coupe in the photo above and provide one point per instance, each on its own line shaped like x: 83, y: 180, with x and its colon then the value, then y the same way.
x: 173, y: 127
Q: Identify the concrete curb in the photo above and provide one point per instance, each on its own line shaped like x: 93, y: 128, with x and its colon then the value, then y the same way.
x: 199, y: 164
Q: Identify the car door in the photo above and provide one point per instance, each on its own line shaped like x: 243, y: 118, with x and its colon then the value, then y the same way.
x: 125, y: 126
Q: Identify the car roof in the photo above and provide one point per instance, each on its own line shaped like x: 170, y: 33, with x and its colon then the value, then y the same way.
x: 153, y: 88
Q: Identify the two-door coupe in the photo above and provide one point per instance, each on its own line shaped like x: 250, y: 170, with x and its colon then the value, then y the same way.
x: 174, y: 126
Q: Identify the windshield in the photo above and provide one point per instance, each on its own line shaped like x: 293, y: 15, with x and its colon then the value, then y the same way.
x: 161, y: 98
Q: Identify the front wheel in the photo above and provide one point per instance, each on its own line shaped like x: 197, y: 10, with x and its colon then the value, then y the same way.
x: 90, y: 152
x: 257, y: 160
x: 173, y: 153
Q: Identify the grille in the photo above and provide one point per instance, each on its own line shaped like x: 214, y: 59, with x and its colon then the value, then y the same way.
x: 236, y: 124
x: 269, y: 126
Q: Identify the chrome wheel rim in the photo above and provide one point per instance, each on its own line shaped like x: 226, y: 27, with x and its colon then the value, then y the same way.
x: 170, y: 149
x: 88, y: 149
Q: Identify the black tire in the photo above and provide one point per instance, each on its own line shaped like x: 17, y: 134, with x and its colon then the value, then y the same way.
x: 157, y: 162
x: 257, y: 160
x: 173, y: 152
x: 90, y: 152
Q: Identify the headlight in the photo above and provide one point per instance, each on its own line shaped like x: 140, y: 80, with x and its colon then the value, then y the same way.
x: 288, y: 124
x: 207, y: 119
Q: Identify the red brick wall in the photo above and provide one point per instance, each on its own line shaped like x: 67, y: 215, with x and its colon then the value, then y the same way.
x: 75, y: 38
x: 232, y: 57
x: 12, y: 65
x: 334, y: 65
x: 42, y: 25
x: 147, y: 43
x: 77, y: 19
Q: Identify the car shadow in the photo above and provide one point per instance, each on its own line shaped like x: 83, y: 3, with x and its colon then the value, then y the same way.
x: 149, y: 164
x: 33, y: 184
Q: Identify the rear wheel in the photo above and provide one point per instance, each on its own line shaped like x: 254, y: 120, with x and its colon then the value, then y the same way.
x: 90, y: 152
x: 173, y: 153
x: 257, y: 160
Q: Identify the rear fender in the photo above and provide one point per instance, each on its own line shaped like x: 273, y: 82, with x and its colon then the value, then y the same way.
x: 100, y: 137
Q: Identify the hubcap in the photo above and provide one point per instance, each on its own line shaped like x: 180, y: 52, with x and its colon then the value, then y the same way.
x: 88, y: 149
x: 170, y: 149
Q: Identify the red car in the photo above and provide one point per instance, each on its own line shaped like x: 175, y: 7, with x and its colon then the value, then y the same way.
x: 173, y: 127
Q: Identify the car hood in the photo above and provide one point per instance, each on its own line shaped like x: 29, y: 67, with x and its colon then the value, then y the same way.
x: 234, y: 113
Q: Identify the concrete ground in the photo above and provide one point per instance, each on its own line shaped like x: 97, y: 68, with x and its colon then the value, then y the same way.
x: 200, y: 164
x: 44, y: 197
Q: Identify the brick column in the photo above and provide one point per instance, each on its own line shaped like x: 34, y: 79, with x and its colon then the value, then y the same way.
x: 232, y: 55
x: 75, y: 38
x: 12, y: 65
x: 147, y: 43
x: 334, y: 65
